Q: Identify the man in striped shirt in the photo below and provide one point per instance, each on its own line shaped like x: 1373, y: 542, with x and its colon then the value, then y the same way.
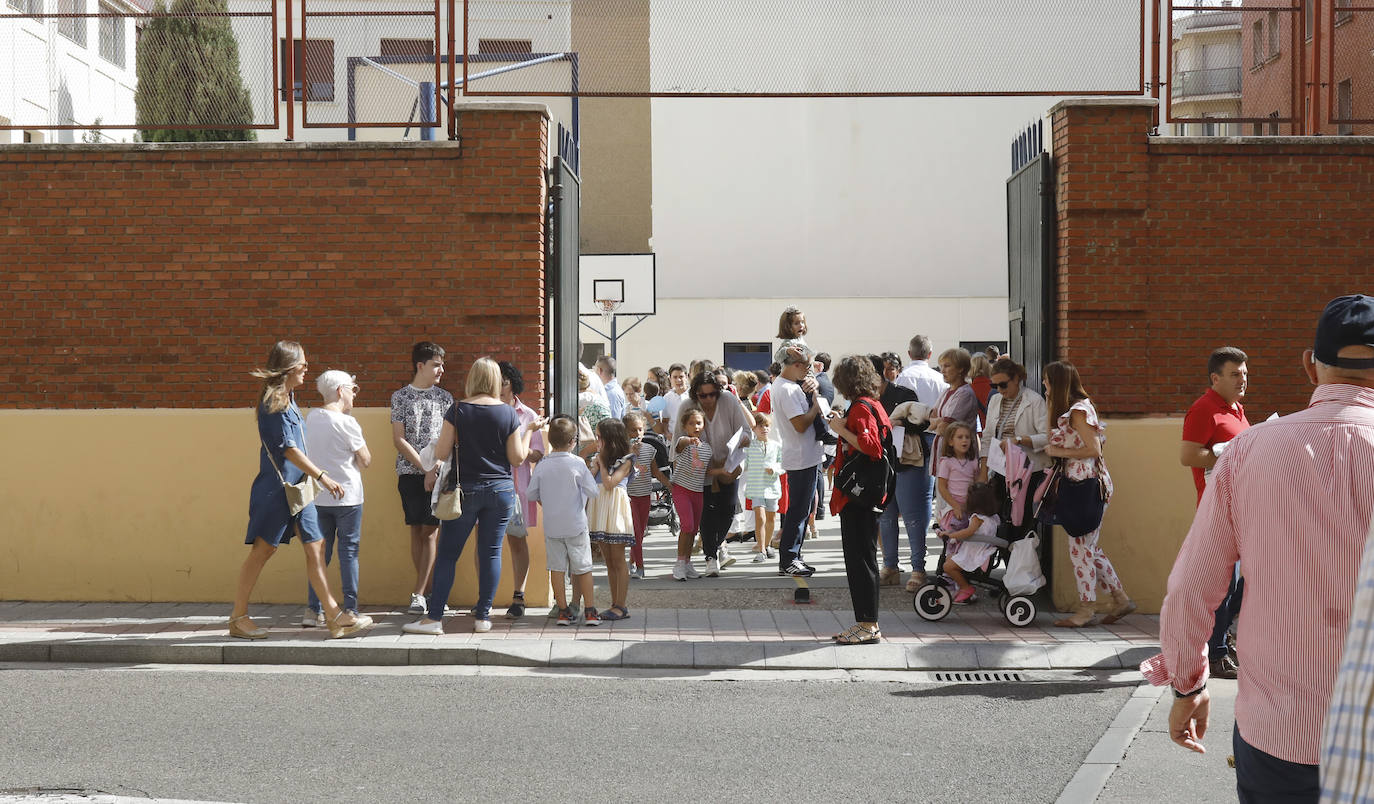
x: 1291, y: 500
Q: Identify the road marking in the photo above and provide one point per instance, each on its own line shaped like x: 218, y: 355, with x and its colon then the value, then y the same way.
x: 1104, y: 758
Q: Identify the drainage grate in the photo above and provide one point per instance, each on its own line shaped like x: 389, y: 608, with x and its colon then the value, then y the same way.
x: 976, y: 678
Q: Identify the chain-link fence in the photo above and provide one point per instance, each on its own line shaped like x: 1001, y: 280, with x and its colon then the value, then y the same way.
x: 1350, y: 68
x: 119, y: 71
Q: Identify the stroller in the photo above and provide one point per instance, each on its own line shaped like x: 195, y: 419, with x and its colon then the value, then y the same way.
x: 934, y: 601
x: 661, y: 510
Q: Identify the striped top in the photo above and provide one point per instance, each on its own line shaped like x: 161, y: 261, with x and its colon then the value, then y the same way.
x: 642, y: 476
x: 1291, y: 500
x: 689, y: 468
x: 760, y: 455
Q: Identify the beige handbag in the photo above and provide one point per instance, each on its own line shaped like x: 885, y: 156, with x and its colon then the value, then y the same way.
x: 449, y: 506
x: 914, y: 417
x: 299, y: 495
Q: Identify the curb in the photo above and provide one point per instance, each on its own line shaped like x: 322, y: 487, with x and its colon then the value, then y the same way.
x: 428, y: 651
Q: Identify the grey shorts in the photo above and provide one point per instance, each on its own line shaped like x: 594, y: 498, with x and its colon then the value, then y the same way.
x: 572, y: 555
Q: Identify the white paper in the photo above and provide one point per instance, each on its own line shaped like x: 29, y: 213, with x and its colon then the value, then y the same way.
x: 898, y: 435
x: 734, y: 452
x: 997, y: 459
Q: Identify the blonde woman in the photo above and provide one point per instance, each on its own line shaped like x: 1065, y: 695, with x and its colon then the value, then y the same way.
x: 490, y: 439
x: 270, y: 522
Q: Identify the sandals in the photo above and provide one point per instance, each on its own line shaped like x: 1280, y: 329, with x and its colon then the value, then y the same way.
x: 249, y: 631
x: 615, y: 613
x: 360, y: 622
x: 858, y: 635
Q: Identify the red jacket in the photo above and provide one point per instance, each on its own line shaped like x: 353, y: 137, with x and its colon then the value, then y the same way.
x: 861, y: 422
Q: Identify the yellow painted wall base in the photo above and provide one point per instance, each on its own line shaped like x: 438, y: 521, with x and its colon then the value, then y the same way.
x: 1149, y: 515
x: 152, y: 505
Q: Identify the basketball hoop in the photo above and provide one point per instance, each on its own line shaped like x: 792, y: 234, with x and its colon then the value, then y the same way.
x: 608, y: 308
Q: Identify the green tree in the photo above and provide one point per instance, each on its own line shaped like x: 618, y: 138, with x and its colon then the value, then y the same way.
x: 188, y: 74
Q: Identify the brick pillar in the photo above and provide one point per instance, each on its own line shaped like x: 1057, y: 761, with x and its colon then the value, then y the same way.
x: 1104, y: 255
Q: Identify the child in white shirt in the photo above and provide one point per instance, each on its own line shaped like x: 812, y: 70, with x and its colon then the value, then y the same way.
x: 562, y: 484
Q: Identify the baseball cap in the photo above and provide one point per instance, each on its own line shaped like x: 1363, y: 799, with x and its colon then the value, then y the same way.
x: 331, y: 381
x: 1346, y: 321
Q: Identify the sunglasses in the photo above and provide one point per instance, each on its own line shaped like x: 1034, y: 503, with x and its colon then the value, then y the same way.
x: 1001, y: 385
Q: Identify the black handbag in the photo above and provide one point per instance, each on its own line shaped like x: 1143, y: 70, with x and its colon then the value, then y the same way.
x: 868, y: 481
x: 1077, y: 506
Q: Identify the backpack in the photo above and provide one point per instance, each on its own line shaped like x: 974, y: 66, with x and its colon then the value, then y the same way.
x: 868, y: 481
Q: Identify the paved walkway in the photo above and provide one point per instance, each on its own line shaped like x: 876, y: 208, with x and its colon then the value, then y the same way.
x: 781, y: 636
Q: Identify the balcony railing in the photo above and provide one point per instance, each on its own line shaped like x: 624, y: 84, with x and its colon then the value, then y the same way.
x: 1216, y: 81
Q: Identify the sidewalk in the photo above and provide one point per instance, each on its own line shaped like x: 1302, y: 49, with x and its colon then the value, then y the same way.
x: 750, y: 625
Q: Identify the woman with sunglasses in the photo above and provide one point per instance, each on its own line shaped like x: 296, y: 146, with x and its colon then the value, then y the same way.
x: 1016, y: 416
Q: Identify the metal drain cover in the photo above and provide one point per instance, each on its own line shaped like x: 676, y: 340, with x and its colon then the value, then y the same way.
x: 978, y: 677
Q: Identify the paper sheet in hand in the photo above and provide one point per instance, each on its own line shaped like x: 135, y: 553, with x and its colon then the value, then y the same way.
x: 997, y: 459
x: 734, y: 452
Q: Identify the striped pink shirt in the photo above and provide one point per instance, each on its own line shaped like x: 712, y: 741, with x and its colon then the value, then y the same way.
x: 1291, y: 500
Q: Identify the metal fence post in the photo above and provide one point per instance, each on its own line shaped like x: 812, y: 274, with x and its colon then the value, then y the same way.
x: 426, y: 110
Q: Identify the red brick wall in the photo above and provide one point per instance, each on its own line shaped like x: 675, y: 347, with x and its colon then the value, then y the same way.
x: 159, y: 276
x: 1168, y: 250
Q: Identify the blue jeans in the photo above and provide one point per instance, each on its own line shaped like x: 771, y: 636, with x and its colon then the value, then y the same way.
x: 801, y: 497
x: 912, y: 503
x: 342, y: 524
x: 1225, y: 614
x: 1265, y: 779
x: 486, y: 506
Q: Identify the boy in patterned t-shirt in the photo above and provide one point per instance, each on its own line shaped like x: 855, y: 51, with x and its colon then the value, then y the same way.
x: 417, y: 417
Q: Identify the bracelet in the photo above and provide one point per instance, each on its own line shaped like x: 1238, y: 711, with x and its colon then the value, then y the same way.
x: 1178, y: 694
x: 321, y: 475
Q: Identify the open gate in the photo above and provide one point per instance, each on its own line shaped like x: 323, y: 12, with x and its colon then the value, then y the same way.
x: 1031, y: 254
x: 563, y: 227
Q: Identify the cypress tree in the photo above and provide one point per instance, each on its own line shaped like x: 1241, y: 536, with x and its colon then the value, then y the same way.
x: 188, y: 74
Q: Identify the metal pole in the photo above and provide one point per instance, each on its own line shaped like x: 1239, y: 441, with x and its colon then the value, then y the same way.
x: 426, y: 110
x: 289, y: 80
x: 1157, y: 43
x: 613, y: 336
x: 452, y: 45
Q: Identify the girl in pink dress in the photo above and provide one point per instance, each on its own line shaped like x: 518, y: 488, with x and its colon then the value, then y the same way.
x: 958, y: 468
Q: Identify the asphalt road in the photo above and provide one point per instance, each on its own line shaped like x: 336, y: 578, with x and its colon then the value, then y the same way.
x: 225, y: 734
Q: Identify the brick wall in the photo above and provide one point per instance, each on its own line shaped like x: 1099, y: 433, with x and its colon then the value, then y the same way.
x: 1169, y: 248
x: 159, y: 276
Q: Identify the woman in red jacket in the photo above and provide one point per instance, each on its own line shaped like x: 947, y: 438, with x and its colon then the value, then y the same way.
x: 859, y: 431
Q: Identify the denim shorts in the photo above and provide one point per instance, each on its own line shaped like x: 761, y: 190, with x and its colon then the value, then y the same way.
x: 764, y: 505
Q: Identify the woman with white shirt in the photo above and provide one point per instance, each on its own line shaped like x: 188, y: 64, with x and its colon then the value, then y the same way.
x: 1016, y: 416
x: 334, y: 439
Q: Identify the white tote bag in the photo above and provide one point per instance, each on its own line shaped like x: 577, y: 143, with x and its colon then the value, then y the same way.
x: 1023, y: 568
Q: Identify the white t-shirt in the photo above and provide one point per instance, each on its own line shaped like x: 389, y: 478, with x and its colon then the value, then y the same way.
x: 331, y: 439
x: 671, y: 405
x: 799, y: 450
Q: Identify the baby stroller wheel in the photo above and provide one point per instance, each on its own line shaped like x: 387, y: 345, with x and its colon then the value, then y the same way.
x: 933, y: 602
x: 1019, y: 611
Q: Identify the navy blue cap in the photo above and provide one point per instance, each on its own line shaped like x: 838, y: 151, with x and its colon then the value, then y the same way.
x: 1346, y: 321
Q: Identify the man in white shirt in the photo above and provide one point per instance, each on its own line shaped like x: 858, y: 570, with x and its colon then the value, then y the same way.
x: 615, y: 395
x: 929, y: 385
x: 677, y: 376
x: 801, y: 458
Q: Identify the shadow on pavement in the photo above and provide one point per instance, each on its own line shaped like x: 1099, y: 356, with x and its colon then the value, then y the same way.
x: 1015, y: 690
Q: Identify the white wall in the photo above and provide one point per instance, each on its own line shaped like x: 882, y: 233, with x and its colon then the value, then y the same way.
x: 687, y: 329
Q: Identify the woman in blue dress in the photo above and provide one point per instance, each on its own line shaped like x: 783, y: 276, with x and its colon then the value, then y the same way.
x: 270, y: 522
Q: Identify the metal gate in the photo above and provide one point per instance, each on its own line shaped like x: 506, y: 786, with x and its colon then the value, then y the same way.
x: 1031, y: 254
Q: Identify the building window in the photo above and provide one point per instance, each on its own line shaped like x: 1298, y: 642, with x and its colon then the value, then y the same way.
x: 1257, y: 129
x: 407, y: 47
x: 1257, y: 40
x: 74, y: 28
x: 1309, y: 18
x: 314, y: 63
x: 1345, y: 107
x: 1274, y: 49
x: 1343, y: 12
x: 505, y: 47
x: 1274, y: 124
x: 111, y: 36
x: 28, y: 7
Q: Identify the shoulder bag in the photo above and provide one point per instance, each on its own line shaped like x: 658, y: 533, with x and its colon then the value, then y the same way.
x: 449, y: 506
x: 298, y: 495
x: 1077, y: 506
x: 868, y: 481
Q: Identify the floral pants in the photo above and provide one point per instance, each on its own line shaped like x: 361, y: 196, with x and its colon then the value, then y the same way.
x: 1091, y: 567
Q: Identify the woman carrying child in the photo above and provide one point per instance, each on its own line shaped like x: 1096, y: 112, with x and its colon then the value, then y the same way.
x: 641, y: 486
x: 862, y: 430
x: 608, y: 514
x: 958, y: 469
x: 693, y: 455
x: 762, y: 486
x: 962, y: 555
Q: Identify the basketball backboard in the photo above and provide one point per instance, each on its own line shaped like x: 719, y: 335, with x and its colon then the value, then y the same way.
x: 626, y: 278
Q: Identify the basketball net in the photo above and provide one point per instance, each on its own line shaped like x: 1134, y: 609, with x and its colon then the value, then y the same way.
x: 608, y: 308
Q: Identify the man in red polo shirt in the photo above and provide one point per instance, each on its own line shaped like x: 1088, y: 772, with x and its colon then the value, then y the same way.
x: 1213, y: 420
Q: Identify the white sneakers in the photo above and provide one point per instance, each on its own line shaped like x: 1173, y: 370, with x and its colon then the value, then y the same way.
x: 481, y: 626
x: 417, y: 604
x: 760, y: 557
x: 712, y: 568
x: 725, y: 559
x: 434, y: 628
x: 312, y: 619
x: 682, y: 570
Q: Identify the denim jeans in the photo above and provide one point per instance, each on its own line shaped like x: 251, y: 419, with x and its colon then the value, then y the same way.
x: 1225, y: 614
x: 912, y: 503
x: 801, y: 497
x: 342, y: 524
x: 486, y: 506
